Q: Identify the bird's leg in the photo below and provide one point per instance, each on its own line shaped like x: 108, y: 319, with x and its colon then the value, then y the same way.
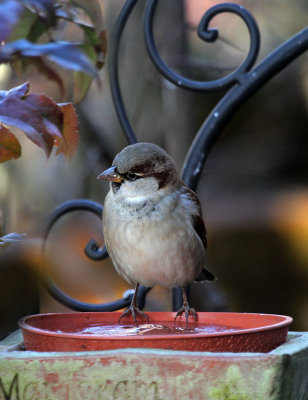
x: 133, y: 308
x: 186, y: 309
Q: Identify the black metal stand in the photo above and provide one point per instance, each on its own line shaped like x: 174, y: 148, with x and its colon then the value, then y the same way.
x: 242, y: 84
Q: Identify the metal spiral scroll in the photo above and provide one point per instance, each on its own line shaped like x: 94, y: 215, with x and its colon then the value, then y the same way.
x: 249, y: 83
x: 93, y: 251
x: 242, y: 84
x: 208, y: 35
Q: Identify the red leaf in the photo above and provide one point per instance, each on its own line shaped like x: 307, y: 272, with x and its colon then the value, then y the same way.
x: 9, y: 145
x: 43, y: 121
x: 70, y: 131
x: 29, y: 118
x: 48, y: 109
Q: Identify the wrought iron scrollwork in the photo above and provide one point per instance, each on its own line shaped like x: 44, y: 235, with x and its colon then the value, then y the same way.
x: 92, y: 249
x: 94, y: 252
x: 208, y: 35
x: 242, y: 83
x: 250, y: 82
x: 115, y: 40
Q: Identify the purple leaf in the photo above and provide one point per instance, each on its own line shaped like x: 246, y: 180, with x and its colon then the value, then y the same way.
x: 18, y: 91
x: 44, y: 122
x: 66, y: 54
x: 9, y: 14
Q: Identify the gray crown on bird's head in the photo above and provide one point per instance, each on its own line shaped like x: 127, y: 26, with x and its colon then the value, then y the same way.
x: 146, y: 160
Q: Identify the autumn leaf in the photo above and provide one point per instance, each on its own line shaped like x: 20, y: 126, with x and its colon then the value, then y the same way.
x: 14, y: 110
x: 9, y: 145
x: 66, y: 54
x: 28, y: 30
x: 70, y: 136
x: 43, y: 121
x: 18, y: 91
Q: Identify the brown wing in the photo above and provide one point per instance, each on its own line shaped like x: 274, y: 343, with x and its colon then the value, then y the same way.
x: 199, y: 227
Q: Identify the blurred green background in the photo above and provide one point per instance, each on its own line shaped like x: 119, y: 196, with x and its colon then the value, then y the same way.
x: 254, y: 186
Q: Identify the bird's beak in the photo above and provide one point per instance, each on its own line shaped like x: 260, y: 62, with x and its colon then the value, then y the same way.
x: 111, y: 175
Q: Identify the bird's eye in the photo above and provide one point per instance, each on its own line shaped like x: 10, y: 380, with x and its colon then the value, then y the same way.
x: 131, y: 176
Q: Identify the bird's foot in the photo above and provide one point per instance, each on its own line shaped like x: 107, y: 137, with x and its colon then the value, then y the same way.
x: 134, y: 311
x: 188, y: 311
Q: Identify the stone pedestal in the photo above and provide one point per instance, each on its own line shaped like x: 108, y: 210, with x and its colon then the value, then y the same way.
x: 149, y: 374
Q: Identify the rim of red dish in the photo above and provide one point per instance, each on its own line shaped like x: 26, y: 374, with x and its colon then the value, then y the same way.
x: 284, y: 321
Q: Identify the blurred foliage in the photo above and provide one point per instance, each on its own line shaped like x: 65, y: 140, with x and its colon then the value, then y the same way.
x: 10, y: 238
x: 28, y: 37
x: 31, y: 38
x: 45, y: 123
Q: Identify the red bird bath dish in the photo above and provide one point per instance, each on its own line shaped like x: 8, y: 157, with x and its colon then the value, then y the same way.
x: 213, y: 332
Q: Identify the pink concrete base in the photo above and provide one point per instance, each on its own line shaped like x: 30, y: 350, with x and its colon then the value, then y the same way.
x: 145, y: 374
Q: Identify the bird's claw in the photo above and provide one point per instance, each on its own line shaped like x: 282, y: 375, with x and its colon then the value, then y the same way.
x: 188, y: 311
x: 134, y: 311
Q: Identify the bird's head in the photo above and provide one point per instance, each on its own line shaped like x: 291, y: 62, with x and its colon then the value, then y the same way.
x: 140, y: 170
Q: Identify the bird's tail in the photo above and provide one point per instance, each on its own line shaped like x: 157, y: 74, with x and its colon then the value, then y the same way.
x: 205, y: 275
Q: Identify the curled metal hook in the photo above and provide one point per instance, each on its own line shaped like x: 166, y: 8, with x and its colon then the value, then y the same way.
x: 93, y: 251
x: 208, y: 35
x: 232, y: 101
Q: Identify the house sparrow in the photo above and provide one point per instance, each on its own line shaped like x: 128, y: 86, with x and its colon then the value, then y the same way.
x: 152, y: 223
